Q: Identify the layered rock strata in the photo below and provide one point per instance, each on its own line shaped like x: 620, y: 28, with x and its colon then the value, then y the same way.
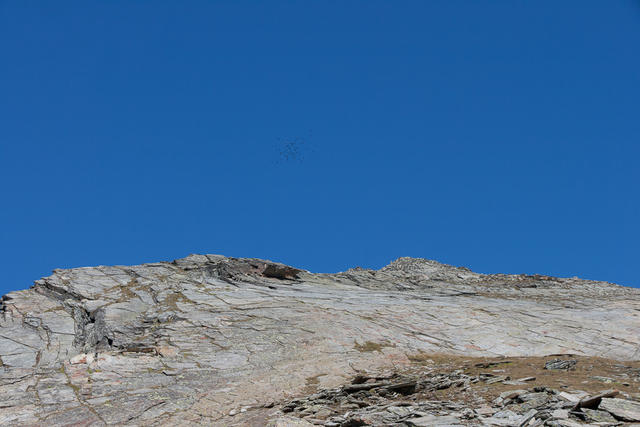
x: 214, y: 340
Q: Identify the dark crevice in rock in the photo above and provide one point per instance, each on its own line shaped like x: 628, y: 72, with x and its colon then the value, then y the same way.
x: 136, y: 348
x: 3, y: 299
x: 235, y: 271
x: 281, y: 272
x: 222, y: 271
x: 3, y: 306
x: 91, y: 330
x: 83, y: 321
x: 52, y: 291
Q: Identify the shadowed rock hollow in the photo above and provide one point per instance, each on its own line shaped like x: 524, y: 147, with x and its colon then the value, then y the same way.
x: 214, y: 340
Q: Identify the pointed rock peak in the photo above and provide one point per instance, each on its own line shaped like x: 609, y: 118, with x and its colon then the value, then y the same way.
x: 427, y: 267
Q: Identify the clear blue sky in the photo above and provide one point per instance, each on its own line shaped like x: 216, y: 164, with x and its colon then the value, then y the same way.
x: 499, y: 135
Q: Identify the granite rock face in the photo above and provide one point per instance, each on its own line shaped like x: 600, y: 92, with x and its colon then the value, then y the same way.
x: 221, y: 341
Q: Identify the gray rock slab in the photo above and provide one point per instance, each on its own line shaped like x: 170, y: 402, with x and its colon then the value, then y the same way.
x: 433, y: 420
x: 622, y: 409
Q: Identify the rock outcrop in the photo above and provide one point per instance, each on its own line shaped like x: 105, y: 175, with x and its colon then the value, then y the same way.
x: 224, y: 341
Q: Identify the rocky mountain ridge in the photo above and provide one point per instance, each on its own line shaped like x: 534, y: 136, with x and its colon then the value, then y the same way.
x: 197, y: 340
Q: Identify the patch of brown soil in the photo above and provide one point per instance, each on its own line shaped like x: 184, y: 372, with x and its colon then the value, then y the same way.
x: 590, y: 374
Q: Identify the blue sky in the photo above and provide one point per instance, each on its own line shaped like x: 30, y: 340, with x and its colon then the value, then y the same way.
x: 498, y: 135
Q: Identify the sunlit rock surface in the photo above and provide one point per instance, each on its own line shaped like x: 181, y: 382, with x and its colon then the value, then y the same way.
x: 208, y: 339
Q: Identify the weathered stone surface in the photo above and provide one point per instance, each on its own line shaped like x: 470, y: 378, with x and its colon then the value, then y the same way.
x: 559, y: 364
x: 622, y: 409
x: 573, y: 397
x: 596, y: 416
x: 288, y: 422
x: 524, y: 420
x: 434, y: 420
x: 593, y: 401
x: 223, y: 341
